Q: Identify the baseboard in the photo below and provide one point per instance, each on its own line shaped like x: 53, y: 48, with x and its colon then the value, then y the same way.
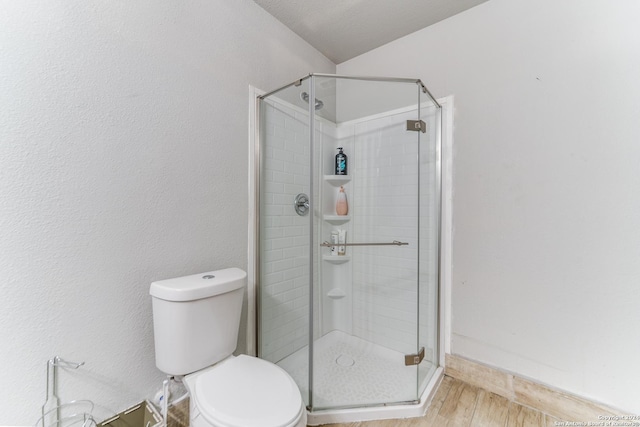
x: 554, y: 402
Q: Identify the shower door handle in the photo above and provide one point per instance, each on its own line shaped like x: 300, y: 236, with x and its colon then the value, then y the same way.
x: 394, y: 243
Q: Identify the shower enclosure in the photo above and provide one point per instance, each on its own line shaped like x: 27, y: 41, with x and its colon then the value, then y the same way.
x: 359, y: 329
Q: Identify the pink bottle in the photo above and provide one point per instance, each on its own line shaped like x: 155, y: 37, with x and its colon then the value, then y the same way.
x: 342, y: 207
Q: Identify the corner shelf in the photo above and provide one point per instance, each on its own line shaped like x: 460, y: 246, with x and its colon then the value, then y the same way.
x: 337, y: 259
x: 336, y: 219
x: 336, y: 293
x: 337, y: 180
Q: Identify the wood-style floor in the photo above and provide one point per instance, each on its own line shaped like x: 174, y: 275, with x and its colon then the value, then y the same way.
x: 459, y: 404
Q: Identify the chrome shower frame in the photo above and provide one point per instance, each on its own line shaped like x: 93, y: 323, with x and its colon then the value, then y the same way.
x: 258, y: 167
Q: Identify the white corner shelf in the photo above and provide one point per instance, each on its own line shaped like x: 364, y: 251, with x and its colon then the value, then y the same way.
x: 336, y: 219
x: 337, y: 180
x: 336, y: 293
x: 336, y: 259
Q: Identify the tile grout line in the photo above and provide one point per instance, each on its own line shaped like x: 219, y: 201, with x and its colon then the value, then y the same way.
x: 475, y: 408
x: 444, y: 399
x: 506, y: 420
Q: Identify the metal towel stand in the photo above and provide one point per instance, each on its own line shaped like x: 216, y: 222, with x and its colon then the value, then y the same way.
x: 52, y: 409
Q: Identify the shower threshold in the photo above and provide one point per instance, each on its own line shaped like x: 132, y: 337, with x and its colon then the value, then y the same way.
x: 353, y: 373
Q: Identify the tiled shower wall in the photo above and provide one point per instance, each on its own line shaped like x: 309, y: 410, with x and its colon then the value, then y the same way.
x: 285, y: 236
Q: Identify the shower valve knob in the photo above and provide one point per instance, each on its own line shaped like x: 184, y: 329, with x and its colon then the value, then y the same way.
x: 301, y: 204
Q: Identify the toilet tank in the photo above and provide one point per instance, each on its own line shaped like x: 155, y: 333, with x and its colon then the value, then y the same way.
x: 196, y: 319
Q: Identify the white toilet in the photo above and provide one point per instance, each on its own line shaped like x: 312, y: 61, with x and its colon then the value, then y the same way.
x: 196, y: 320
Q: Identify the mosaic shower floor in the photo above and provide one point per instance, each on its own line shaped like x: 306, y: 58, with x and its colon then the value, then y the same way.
x: 350, y: 371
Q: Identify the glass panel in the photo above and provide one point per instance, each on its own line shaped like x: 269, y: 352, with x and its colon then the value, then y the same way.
x: 368, y: 308
x: 429, y: 240
x: 284, y: 268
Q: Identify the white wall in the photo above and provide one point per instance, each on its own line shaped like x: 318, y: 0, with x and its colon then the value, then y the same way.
x: 123, y: 160
x: 546, y: 227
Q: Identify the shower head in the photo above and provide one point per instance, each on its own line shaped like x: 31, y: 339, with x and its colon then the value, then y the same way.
x: 305, y: 97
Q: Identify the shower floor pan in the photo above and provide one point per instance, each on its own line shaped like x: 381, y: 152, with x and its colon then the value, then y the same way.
x: 351, y: 372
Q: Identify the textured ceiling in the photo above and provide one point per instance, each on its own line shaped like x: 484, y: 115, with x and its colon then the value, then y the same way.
x: 343, y: 29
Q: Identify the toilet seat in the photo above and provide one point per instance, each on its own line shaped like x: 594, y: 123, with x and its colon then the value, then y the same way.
x: 245, y: 391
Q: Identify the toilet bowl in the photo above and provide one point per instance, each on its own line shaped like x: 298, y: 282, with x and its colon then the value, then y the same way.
x: 196, y: 321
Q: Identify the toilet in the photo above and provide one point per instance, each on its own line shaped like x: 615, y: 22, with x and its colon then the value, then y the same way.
x: 196, y: 321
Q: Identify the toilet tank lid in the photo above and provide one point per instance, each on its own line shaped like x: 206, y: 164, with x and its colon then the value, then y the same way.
x: 198, y: 286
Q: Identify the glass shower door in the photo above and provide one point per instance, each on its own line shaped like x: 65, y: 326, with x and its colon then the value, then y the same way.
x: 365, y: 350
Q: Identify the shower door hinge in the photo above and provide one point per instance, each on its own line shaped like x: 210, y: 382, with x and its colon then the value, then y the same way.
x: 416, y: 125
x: 414, y: 359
